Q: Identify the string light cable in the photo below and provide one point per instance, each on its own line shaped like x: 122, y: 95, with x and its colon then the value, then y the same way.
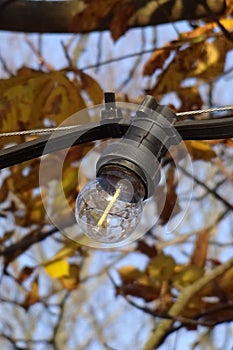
x: 179, y: 114
x: 206, y: 129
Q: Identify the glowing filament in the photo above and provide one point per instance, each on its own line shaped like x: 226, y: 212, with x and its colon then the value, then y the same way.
x: 109, y: 207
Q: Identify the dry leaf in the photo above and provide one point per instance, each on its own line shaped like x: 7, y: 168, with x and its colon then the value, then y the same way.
x: 198, y: 34
x: 144, y: 248
x: 25, y: 273
x: 71, y: 280
x: 60, y: 97
x: 170, y: 79
x: 92, y: 88
x: 27, y: 99
x: 157, y: 60
x: 137, y: 283
x: 170, y: 207
x: 226, y: 283
x: 32, y: 296
x: 199, y: 150
x: 121, y: 15
x: 205, y: 60
x: 200, y: 250
x: 94, y: 13
x: 3, y: 191
x: 190, y: 98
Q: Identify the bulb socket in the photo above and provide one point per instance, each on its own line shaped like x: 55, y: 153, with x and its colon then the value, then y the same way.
x: 121, y: 174
x: 145, y: 143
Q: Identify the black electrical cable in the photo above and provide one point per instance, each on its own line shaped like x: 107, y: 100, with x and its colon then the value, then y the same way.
x: 220, y: 128
x: 209, y: 129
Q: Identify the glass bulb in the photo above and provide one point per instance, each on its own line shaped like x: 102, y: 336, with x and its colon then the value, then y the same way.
x: 109, y: 208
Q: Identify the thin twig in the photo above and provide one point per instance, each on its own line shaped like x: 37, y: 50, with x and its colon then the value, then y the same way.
x: 41, y: 60
x: 66, y: 53
x: 135, y: 65
x: 130, y: 55
x: 99, y: 51
x: 59, y: 320
x: 208, y: 189
x: 5, y: 66
x: 184, y: 238
x: 22, y: 340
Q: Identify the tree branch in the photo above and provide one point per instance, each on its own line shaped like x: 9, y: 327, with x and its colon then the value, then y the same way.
x: 165, y: 326
x: 14, y: 250
x: 83, y: 16
x: 59, y: 320
x: 215, y: 194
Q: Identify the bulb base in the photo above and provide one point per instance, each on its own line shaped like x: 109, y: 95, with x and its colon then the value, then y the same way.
x: 143, y: 146
x: 128, y: 176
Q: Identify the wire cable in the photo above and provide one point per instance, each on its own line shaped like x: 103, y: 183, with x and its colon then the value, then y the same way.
x: 206, y: 129
x: 70, y: 127
x: 37, y: 131
x: 207, y: 110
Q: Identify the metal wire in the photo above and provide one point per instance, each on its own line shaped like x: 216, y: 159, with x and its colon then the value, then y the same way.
x: 66, y: 128
x: 37, y: 131
x: 207, y: 110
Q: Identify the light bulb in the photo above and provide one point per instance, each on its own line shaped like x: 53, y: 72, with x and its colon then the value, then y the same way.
x: 109, y: 208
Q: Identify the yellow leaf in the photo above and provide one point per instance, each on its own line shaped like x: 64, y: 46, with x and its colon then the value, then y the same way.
x: 130, y: 273
x: 27, y: 99
x: 58, y: 265
x: 57, y: 268
x: 204, y: 60
x: 199, y: 150
x: 67, y: 187
x: 187, y: 276
x: 34, y: 211
x: 61, y: 98
x: 69, y: 179
x: 227, y: 23
x: 161, y: 267
x: 210, y: 64
x: 170, y: 79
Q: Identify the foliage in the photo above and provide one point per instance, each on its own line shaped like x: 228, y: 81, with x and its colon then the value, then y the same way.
x: 35, y: 98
